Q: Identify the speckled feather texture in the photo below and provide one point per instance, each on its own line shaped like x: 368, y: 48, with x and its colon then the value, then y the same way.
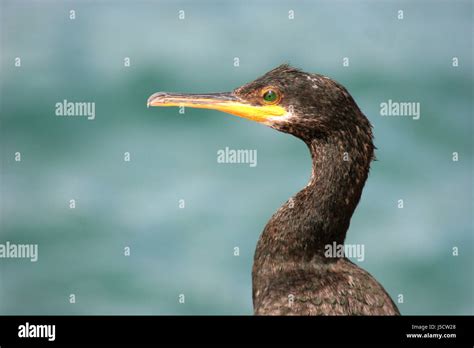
x: 339, y: 288
x: 291, y: 275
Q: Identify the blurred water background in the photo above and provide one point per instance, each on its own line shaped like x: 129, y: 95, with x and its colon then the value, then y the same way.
x: 191, y: 251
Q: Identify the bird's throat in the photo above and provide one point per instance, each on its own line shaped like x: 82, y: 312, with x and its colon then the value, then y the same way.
x: 319, y: 214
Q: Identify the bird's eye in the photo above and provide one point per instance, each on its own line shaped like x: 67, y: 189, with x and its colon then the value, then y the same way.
x: 271, y: 96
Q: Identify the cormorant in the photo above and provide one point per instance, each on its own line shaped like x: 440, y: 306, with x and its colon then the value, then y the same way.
x: 292, y: 273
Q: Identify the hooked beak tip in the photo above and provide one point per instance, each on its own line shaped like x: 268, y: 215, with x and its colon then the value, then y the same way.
x: 154, y: 98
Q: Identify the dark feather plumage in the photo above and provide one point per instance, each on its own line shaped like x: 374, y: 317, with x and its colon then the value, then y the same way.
x: 291, y: 274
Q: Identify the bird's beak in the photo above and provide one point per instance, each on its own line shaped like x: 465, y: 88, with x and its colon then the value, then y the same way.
x: 226, y: 102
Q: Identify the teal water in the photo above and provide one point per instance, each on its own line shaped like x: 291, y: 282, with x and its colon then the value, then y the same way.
x: 135, y: 204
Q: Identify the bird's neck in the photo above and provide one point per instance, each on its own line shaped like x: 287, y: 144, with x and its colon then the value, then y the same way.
x: 340, y: 167
x: 319, y: 214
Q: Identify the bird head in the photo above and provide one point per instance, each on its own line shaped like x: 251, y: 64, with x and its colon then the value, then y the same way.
x: 285, y: 98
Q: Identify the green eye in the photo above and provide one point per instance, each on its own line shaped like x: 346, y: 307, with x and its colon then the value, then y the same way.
x: 270, y: 96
